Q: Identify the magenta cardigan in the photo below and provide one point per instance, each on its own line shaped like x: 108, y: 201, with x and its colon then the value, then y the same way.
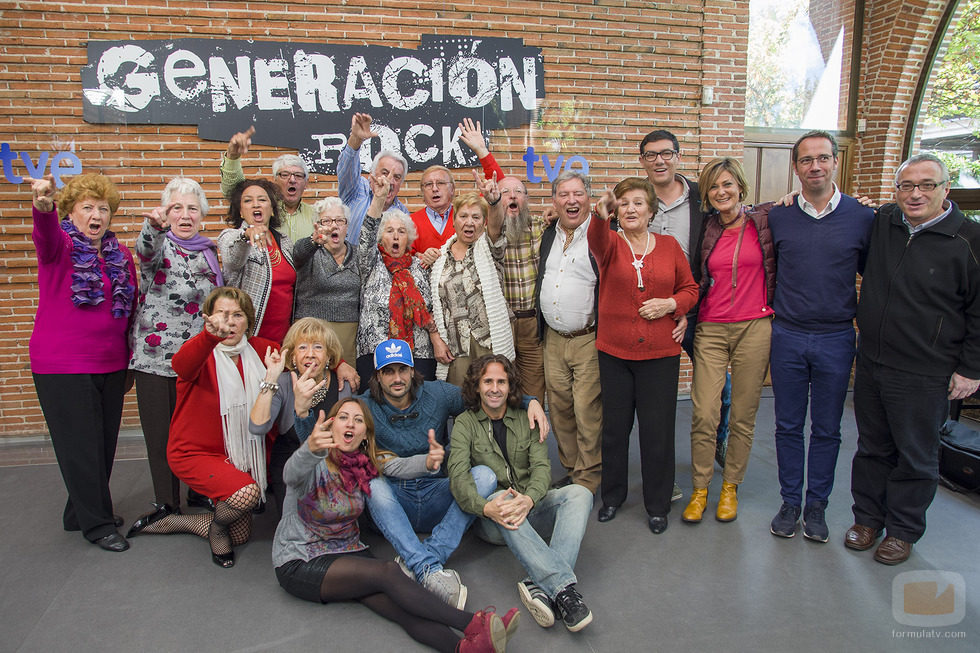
x: 69, y: 339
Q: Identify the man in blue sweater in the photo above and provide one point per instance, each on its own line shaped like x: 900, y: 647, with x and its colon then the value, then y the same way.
x: 410, y: 427
x: 821, y: 241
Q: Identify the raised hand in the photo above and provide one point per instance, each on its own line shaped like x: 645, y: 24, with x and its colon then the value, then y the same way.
x: 321, y: 439
x: 607, y: 205
x: 43, y: 190
x: 239, y: 143
x: 159, y: 217
x: 380, y: 185
x: 360, y: 130
x: 217, y: 325
x: 437, y: 453
x: 275, y: 361
x: 472, y: 135
x: 303, y: 389
x: 488, y: 187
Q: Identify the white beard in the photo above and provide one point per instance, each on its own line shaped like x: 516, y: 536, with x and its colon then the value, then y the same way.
x: 516, y: 228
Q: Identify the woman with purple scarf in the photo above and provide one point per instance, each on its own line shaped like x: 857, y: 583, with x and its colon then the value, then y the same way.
x: 79, y: 348
x: 178, y: 270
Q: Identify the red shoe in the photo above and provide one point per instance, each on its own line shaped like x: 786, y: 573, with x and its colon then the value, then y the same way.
x: 511, y: 620
x: 485, y: 634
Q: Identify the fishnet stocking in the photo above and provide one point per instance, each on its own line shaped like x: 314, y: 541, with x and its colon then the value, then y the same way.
x: 232, y: 523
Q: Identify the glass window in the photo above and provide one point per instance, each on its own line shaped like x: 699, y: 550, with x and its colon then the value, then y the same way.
x: 949, y: 116
x: 799, y: 64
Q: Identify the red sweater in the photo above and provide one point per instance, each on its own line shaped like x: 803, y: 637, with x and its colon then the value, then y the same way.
x: 666, y: 273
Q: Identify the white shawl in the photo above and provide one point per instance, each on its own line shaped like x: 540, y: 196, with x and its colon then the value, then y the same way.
x: 245, y: 451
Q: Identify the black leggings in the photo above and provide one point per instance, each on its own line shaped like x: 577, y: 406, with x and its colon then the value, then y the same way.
x: 385, y: 589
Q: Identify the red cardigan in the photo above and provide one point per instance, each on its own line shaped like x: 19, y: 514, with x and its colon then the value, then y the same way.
x: 666, y: 273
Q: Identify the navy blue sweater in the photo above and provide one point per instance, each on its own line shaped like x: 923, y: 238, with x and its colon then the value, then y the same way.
x: 817, y: 262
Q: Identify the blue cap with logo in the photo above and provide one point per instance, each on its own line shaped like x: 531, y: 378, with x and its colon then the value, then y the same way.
x: 393, y: 351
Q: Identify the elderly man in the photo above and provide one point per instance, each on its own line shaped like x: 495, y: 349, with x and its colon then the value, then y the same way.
x: 919, y: 319
x: 523, y: 510
x: 410, y: 417
x: 821, y: 241
x: 289, y: 173
x: 353, y: 188
x: 567, y: 295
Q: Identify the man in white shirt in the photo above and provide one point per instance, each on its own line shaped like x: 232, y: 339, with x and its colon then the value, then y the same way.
x: 567, y: 294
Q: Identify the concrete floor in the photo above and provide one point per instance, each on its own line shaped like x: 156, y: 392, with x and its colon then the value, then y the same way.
x: 695, y: 588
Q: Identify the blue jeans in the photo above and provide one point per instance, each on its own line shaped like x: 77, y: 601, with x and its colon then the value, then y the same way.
x: 400, y: 507
x: 561, y: 514
x: 809, y: 368
x: 687, y: 344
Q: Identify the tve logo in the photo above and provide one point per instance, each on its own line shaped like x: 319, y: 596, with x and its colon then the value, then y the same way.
x: 552, y: 170
x: 62, y: 163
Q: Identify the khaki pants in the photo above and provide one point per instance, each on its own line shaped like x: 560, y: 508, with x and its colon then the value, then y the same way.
x: 530, y: 357
x: 457, y: 369
x: 745, y: 347
x: 347, y: 334
x: 571, y: 373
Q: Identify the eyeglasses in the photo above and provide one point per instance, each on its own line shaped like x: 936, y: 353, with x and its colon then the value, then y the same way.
x: 925, y: 186
x: 394, y: 419
x: 286, y: 175
x: 808, y: 160
x: 666, y: 155
x: 429, y: 185
x: 340, y: 222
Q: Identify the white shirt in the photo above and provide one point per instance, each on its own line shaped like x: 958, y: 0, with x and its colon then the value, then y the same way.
x: 811, y: 210
x: 675, y: 219
x: 568, y: 284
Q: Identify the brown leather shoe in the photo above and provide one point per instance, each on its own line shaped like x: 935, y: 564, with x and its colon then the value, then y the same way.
x: 727, y: 503
x: 860, y: 538
x: 695, y: 509
x: 893, y: 551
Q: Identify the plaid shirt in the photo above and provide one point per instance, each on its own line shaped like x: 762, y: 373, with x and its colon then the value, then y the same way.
x: 521, y: 267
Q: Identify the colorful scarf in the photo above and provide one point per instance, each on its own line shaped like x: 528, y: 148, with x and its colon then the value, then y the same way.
x: 405, y: 303
x: 201, y: 243
x: 356, y: 470
x: 87, y: 287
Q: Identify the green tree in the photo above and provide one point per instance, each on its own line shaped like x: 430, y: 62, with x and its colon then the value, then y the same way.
x: 956, y: 85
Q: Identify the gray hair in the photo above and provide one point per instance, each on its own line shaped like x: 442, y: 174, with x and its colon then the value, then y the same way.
x: 289, y: 160
x: 394, y: 155
x: 182, y: 186
x: 330, y: 203
x: 919, y: 158
x: 570, y: 174
x: 396, y: 214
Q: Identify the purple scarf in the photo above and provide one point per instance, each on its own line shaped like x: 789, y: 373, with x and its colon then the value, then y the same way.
x: 87, y: 287
x: 356, y: 471
x: 201, y: 243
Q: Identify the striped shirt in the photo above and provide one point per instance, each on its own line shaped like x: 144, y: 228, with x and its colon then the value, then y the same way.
x: 355, y: 192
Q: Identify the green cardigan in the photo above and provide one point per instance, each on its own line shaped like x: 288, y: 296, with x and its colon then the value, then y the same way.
x: 472, y: 444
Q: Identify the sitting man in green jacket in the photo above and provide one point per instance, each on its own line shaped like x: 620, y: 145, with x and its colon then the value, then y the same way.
x: 494, y: 431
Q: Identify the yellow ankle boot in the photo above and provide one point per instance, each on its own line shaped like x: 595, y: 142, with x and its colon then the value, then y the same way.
x: 727, y: 503
x: 694, y: 510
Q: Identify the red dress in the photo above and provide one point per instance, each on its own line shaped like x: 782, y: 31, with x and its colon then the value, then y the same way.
x: 196, y: 449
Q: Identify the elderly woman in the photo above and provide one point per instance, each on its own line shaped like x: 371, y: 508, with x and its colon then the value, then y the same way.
x: 738, y: 271
x: 395, y: 291
x: 257, y: 258
x: 298, y: 380
x: 79, y: 348
x: 646, y: 288
x: 178, y: 270
x: 319, y: 556
x: 468, y: 302
x: 219, y: 377
x: 328, y: 280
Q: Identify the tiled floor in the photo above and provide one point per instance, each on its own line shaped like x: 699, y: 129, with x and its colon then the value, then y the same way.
x: 710, y: 587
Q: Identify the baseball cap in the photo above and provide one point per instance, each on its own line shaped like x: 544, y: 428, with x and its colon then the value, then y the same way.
x: 393, y: 351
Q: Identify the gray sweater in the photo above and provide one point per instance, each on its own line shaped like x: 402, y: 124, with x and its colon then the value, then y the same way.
x: 324, y: 289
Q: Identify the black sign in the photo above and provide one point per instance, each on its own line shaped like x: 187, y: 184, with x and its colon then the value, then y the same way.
x: 302, y: 95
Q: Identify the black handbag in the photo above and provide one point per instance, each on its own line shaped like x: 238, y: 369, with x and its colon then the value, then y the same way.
x: 959, y: 457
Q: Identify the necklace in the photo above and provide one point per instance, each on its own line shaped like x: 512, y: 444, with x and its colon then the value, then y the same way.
x: 320, y: 394
x: 275, y: 254
x: 637, y: 261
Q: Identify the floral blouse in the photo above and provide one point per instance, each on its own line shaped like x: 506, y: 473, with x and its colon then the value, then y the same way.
x: 173, y: 286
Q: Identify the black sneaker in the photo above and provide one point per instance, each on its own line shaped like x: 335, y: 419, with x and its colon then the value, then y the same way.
x: 784, y: 523
x: 574, y: 613
x: 814, y: 524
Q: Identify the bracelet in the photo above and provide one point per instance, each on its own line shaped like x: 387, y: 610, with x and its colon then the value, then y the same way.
x: 495, y: 203
x: 265, y: 385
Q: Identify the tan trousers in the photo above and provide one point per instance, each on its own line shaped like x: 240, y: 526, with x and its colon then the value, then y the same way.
x: 457, y: 369
x: 347, y: 334
x: 745, y: 347
x: 571, y: 373
x: 530, y: 357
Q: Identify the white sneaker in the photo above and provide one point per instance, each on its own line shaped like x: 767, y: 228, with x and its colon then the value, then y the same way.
x: 404, y: 567
x: 446, y: 585
x: 537, y: 603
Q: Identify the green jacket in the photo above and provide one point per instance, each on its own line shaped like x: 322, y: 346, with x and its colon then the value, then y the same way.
x: 472, y: 444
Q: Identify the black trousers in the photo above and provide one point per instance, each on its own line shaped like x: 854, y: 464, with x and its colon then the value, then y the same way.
x: 83, y: 412
x: 156, y: 397
x: 647, y: 389
x: 896, y: 467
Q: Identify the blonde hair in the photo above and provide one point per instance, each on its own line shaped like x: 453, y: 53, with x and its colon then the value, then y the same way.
x: 312, y: 329
x: 713, y: 170
x: 472, y: 199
